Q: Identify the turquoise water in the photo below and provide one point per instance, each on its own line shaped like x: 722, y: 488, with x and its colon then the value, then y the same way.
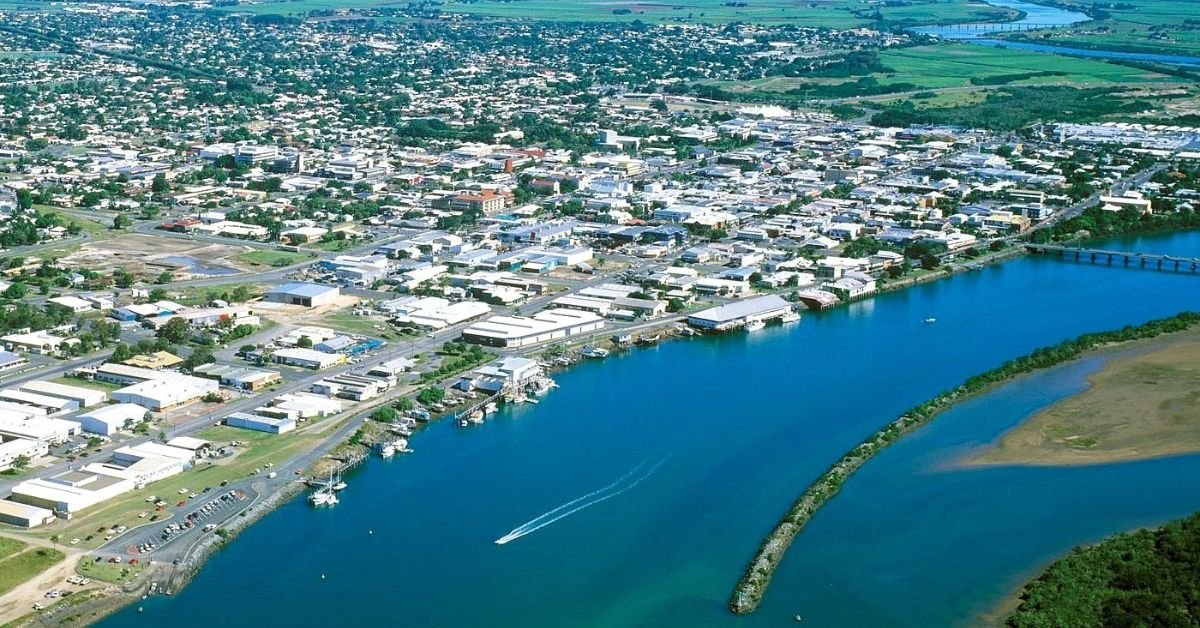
x: 741, y: 425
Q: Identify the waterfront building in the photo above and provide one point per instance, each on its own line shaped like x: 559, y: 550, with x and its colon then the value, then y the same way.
x: 738, y: 313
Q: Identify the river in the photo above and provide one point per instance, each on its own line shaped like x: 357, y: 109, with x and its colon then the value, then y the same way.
x: 1038, y: 16
x: 740, y: 424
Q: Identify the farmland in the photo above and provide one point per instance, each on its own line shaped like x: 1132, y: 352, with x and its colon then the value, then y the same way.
x: 1153, y: 26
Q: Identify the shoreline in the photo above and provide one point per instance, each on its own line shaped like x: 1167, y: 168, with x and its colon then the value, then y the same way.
x: 756, y: 578
x: 1117, y: 359
x: 114, y: 598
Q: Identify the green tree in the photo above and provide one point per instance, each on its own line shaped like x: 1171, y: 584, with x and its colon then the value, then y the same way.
x: 304, y: 342
x: 122, y: 221
x: 384, y: 414
x: 176, y: 331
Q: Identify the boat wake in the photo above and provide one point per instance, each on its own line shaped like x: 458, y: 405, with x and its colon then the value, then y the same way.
x: 622, y: 485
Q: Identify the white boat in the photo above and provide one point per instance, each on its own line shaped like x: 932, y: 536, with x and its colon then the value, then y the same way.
x: 789, y: 317
x: 931, y: 320
x: 490, y: 408
x: 755, y: 325
x: 321, y: 498
x: 387, y: 451
x: 339, y: 485
x: 594, y: 352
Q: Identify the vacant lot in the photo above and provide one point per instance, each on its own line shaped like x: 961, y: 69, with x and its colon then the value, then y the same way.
x: 18, y: 568
x: 274, y: 259
x: 1141, y: 405
x: 149, y: 255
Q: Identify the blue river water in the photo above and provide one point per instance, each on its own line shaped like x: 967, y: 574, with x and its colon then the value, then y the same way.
x: 740, y: 424
x: 1038, y: 16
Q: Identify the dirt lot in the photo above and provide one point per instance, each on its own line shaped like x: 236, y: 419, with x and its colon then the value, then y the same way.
x: 1144, y: 403
x: 145, y: 255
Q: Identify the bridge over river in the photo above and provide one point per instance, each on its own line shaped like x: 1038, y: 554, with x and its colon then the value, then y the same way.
x: 1125, y: 258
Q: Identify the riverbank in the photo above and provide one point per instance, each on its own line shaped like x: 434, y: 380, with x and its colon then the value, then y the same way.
x: 757, y: 576
x: 1143, y: 404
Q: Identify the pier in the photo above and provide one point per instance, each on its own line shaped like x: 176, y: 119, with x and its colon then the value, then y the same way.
x: 1148, y: 261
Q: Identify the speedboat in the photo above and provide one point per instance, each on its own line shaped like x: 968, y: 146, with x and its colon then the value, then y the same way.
x: 755, y: 325
x: 931, y: 320
x: 789, y: 317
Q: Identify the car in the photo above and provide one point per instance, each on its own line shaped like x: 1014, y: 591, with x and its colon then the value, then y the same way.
x: 182, y: 491
x: 191, y: 496
x: 74, y: 541
x: 38, y: 606
x: 225, y: 483
x: 143, y: 514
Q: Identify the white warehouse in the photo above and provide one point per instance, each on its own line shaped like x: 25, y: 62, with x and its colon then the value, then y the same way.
x: 520, y: 331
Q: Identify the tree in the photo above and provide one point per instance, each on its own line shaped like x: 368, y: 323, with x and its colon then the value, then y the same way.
x: 21, y: 462
x: 304, y: 342
x: 121, y: 353
x: 676, y: 305
x: 121, y: 221
x: 16, y: 291
x: 384, y: 414
x: 403, y: 404
x: 198, y: 357
x: 160, y: 185
x: 176, y: 331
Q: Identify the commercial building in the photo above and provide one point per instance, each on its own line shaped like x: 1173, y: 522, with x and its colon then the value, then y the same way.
x: 108, y: 420
x: 166, y: 392
x: 353, y: 387
x: 738, y: 313
x: 307, y: 358
x: 520, y: 331
x: 304, y: 294
x: 260, y: 423
x: 156, y: 361
x: 436, y: 313
x: 85, y: 397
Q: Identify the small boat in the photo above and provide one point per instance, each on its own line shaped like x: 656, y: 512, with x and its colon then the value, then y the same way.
x: 789, y: 317
x: 931, y: 320
x: 339, y: 486
x: 476, y: 417
x: 490, y: 408
x: 320, y: 498
x: 755, y: 325
x: 387, y: 451
x: 594, y: 352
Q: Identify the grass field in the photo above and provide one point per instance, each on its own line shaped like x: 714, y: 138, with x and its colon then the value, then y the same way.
x: 362, y: 325
x: 116, y: 573
x: 8, y: 547
x: 18, y: 568
x: 1155, y: 26
x: 1143, y: 404
x: 969, y: 68
x: 830, y: 13
x: 274, y: 259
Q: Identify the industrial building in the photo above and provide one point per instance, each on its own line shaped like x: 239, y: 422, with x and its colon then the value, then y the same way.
x: 260, y: 423
x: 304, y: 294
x: 239, y: 377
x: 12, y: 449
x: 10, y: 361
x: 70, y: 491
x: 520, y: 331
x: 738, y: 313
x: 85, y: 397
x: 166, y: 391
x: 39, y: 428
x: 52, y: 405
x: 307, y: 358
x: 24, y: 515
x: 108, y: 420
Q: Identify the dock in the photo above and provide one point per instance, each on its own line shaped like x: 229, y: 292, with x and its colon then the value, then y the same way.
x: 1148, y: 261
